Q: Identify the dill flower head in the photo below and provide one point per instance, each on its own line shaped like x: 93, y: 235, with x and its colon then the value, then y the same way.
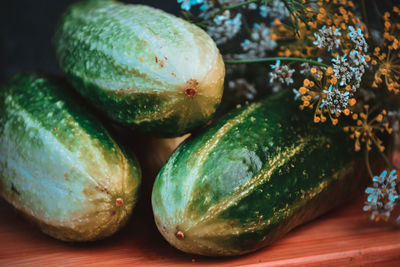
x: 335, y: 37
x: 274, y: 9
x: 366, y: 129
x: 382, y: 196
x: 224, y: 27
x: 358, y: 39
x: 283, y: 73
x: 387, y: 58
x: 327, y: 37
x: 335, y: 100
x: 260, y: 42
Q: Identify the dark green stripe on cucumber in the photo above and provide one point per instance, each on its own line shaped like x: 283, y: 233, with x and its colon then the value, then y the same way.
x: 140, y: 66
x: 251, y: 177
x: 58, y: 164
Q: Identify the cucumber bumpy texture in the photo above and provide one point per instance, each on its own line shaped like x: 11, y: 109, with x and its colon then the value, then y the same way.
x: 58, y: 164
x: 142, y: 67
x: 251, y: 177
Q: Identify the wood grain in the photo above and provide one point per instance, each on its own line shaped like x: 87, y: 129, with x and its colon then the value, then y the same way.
x: 344, y: 236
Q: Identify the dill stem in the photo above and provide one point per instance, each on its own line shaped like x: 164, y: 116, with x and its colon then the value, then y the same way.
x: 365, y: 14
x: 385, y: 158
x: 271, y: 59
x: 367, y: 163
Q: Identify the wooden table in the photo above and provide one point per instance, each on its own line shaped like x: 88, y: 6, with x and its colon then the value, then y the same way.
x: 344, y: 236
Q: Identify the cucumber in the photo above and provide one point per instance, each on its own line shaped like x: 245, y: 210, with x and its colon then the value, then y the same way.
x: 58, y: 164
x: 142, y: 67
x: 251, y: 177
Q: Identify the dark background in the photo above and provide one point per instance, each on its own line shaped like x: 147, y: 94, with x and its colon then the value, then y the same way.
x: 26, y: 28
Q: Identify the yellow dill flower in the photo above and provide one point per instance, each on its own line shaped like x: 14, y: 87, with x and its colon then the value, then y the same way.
x: 388, y: 71
x: 365, y: 130
x: 327, y: 100
x: 387, y: 60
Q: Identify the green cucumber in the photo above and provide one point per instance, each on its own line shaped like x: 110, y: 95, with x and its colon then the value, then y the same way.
x: 251, y: 177
x: 144, y: 68
x: 58, y: 164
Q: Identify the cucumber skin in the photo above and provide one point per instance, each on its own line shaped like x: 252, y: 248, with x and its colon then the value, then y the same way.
x: 58, y: 164
x: 107, y: 51
x: 251, y: 177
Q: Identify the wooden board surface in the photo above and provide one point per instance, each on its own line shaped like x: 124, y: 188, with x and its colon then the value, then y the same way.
x: 344, y: 236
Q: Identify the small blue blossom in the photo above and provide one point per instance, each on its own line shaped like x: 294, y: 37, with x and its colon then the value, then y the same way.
x: 342, y: 69
x: 328, y: 38
x: 381, y: 179
x: 187, y: 4
x: 373, y: 194
x: 274, y: 9
x: 224, y: 27
x: 263, y: 11
x: 383, y: 196
x: 358, y: 38
x: 335, y: 100
x: 260, y: 41
x: 252, y: 6
x: 297, y: 94
x: 277, y: 65
x: 357, y: 58
x: 206, y: 6
x: 375, y: 208
x: 281, y: 73
x: 350, y: 68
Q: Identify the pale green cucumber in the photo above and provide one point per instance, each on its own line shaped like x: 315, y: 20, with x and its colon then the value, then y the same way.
x: 141, y: 66
x: 58, y: 164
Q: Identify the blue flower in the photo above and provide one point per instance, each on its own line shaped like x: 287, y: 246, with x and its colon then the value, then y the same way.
x: 274, y: 9
x: 277, y: 64
x: 297, y: 95
x: 328, y: 38
x: 383, y: 196
x: 335, y: 100
x: 260, y: 41
x: 263, y: 11
x: 381, y: 178
x: 358, y: 38
x: 187, y: 4
x: 374, y: 194
x: 224, y: 27
x: 281, y: 74
x: 385, y: 181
